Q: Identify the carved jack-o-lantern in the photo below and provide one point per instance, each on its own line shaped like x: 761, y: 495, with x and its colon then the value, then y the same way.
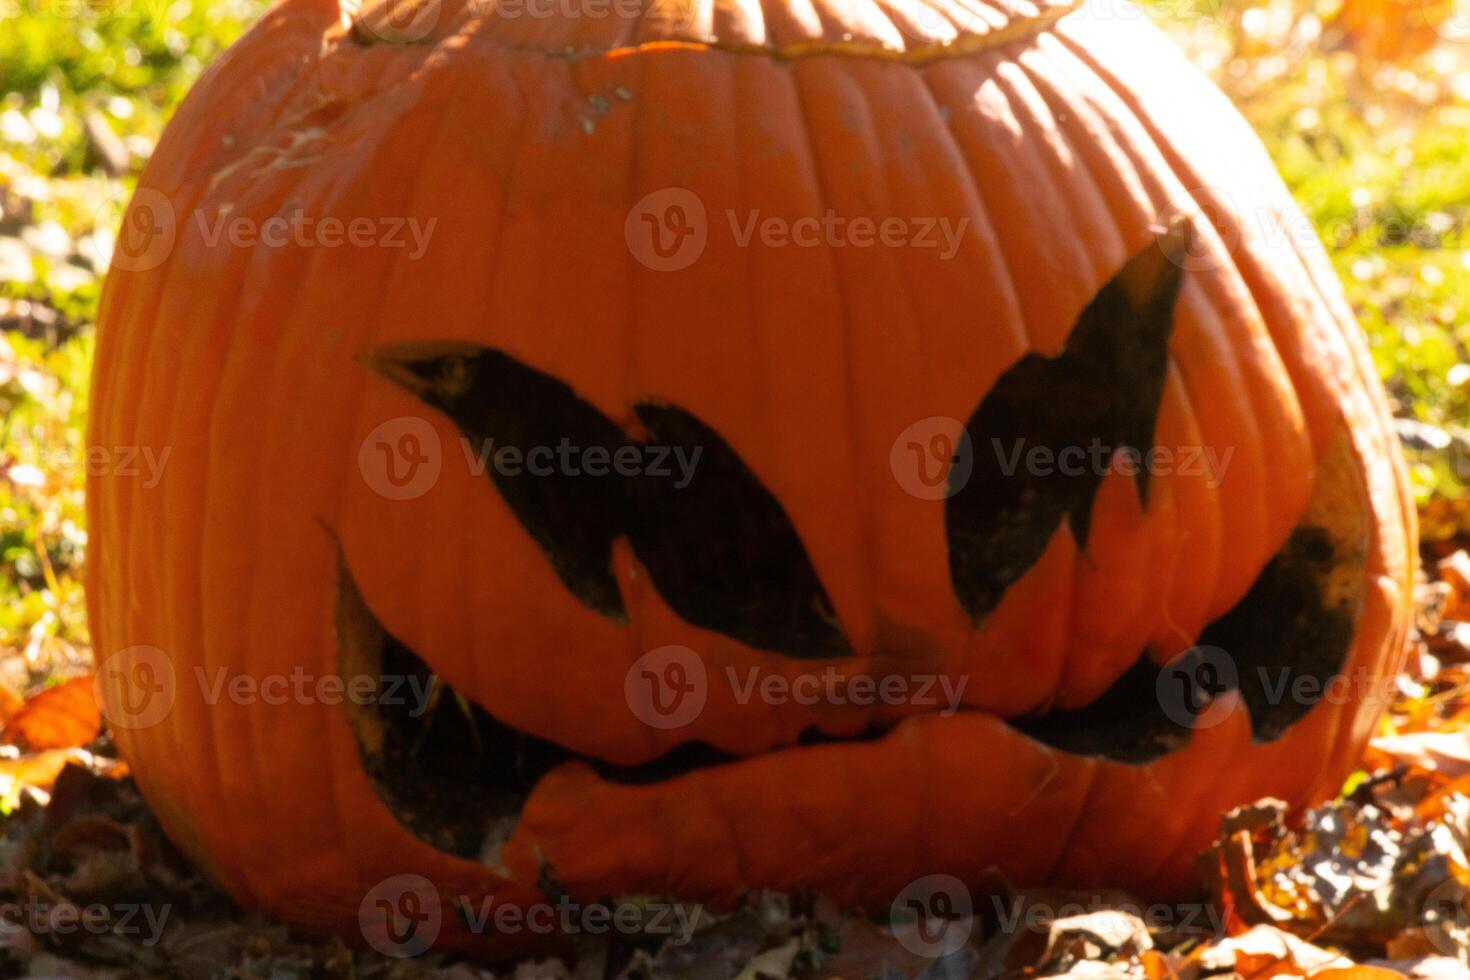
x: 1063, y: 486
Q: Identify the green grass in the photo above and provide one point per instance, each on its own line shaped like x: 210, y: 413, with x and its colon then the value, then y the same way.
x: 43, y: 404
x: 128, y: 62
x: 130, y: 59
x: 1375, y: 156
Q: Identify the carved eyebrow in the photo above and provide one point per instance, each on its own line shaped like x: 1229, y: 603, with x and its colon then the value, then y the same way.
x: 717, y: 545
x: 1103, y: 389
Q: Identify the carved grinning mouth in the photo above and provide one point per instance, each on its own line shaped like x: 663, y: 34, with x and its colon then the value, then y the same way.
x: 723, y: 554
x: 457, y: 776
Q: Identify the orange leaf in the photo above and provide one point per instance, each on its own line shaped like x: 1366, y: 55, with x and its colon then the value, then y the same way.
x: 10, y: 703
x: 60, y: 717
x: 40, y: 769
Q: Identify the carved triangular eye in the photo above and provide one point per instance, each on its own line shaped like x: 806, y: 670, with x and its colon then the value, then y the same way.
x: 1098, y: 396
x: 718, y: 547
x: 722, y: 551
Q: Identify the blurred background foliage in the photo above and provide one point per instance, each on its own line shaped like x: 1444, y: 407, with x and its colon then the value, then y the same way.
x: 1364, y: 104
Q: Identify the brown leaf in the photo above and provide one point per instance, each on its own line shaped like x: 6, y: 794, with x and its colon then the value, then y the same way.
x: 1454, y: 571
x: 1393, y: 30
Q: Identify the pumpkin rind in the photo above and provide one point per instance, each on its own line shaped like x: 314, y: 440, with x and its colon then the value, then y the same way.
x: 1064, y: 140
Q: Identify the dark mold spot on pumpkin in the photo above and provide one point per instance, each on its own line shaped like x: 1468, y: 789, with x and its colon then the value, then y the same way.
x: 719, y: 549
x: 1103, y: 390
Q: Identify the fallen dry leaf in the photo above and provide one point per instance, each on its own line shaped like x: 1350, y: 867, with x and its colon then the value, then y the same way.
x: 1428, y: 968
x: 60, y: 717
x: 1454, y: 571
x: 39, y: 769
x: 1444, y: 752
x: 1266, y: 951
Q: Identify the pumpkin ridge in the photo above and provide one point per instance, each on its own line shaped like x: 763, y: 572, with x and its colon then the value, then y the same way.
x: 811, y: 147
x: 917, y: 53
x: 1084, y: 806
x: 278, y: 426
x: 963, y: 46
x: 156, y: 368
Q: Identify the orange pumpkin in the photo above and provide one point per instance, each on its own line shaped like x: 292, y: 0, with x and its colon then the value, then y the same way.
x: 938, y: 302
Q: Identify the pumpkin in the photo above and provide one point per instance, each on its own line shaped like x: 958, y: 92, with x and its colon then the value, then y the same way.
x: 864, y: 350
